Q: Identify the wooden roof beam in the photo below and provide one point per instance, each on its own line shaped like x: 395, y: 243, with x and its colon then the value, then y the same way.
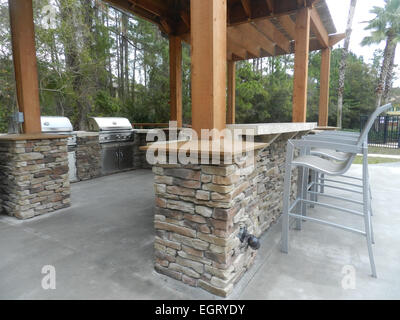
x: 336, y: 38
x: 236, y: 52
x: 129, y: 7
x: 270, y: 6
x: 315, y: 45
x: 157, y: 8
x: 247, y: 7
x: 287, y: 23
x: 165, y: 26
x: 279, y: 8
x: 185, y: 18
x: 242, y: 40
x: 247, y: 36
x: 272, y: 33
x: 318, y: 28
x: 257, y: 37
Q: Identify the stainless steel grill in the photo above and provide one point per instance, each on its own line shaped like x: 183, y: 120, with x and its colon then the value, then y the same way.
x: 117, y: 143
x: 62, y: 126
x: 59, y: 125
x: 112, y: 129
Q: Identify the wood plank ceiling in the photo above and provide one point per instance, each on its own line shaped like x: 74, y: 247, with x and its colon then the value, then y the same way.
x: 256, y: 28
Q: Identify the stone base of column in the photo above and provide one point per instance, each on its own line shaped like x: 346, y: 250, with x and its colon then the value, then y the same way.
x: 33, y: 176
x: 88, y: 156
x: 200, y: 210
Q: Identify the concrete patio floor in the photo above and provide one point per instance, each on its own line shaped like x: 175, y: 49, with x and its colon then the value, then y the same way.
x: 102, y: 248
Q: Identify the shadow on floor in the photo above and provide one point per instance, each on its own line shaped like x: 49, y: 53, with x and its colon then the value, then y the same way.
x: 102, y: 248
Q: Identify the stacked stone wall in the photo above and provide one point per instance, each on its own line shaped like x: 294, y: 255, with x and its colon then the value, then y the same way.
x: 88, y: 157
x: 200, y: 210
x: 33, y: 177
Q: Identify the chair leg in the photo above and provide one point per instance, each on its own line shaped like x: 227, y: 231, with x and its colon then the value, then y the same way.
x: 322, y: 183
x: 306, y: 174
x: 371, y: 213
x: 316, y: 185
x: 367, y: 217
x: 314, y: 188
x: 370, y: 195
x: 370, y: 202
x: 300, y: 195
x: 286, y: 203
x: 372, y: 230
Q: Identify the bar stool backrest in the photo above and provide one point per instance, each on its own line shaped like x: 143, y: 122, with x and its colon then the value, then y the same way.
x: 370, y: 123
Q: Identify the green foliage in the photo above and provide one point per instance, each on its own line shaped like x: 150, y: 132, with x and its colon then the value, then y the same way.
x: 263, y: 95
x: 106, y: 105
x: 84, y: 71
x: 385, y: 22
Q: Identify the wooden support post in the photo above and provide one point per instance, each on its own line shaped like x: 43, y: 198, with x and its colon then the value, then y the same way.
x: 324, y: 87
x: 25, y: 64
x: 175, y: 62
x: 231, y: 92
x: 209, y: 59
x: 301, y: 65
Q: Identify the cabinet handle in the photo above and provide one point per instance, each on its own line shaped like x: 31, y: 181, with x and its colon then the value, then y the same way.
x: 117, y: 154
x: 121, y: 154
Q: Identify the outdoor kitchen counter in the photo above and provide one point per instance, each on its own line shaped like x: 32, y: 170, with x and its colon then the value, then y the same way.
x: 84, y: 134
x: 260, y: 129
x: 203, y: 148
x: 200, y: 208
x: 33, y: 136
x: 264, y: 133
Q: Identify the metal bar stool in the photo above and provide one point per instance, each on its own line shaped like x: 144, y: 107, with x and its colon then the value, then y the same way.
x: 306, y: 161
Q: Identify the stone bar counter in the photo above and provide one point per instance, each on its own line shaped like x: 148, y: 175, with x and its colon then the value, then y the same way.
x: 140, y: 136
x: 33, y: 174
x: 201, y: 209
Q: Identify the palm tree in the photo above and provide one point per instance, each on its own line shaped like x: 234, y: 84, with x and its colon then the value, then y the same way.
x: 385, y: 27
x: 343, y: 62
x: 389, y: 79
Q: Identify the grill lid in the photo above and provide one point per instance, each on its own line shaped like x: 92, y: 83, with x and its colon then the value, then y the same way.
x: 109, y: 124
x: 56, y: 124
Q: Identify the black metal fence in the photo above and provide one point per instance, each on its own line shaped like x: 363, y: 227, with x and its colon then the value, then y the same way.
x: 385, y: 132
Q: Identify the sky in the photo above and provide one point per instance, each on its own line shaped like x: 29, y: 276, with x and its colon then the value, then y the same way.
x: 340, y: 9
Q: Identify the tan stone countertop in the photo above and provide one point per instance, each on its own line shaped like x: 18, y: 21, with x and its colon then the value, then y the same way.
x: 206, y: 147
x: 82, y: 134
x: 32, y: 136
x: 259, y: 129
x: 156, y: 129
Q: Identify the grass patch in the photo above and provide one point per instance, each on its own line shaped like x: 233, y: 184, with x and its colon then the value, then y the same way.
x: 378, y: 150
x: 374, y: 160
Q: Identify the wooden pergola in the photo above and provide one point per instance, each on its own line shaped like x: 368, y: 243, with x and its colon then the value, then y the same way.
x: 220, y: 33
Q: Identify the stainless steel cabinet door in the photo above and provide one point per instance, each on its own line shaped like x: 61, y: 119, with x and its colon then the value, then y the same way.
x: 126, y: 156
x: 72, y: 166
x: 110, y: 158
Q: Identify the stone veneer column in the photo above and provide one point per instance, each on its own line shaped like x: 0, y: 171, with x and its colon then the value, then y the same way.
x: 33, y: 176
x: 88, y: 156
x: 139, y: 156
x: 199, y: 212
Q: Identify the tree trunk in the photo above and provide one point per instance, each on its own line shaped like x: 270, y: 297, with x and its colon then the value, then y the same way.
x: 88, y: 12
x: 134, y: 74
x: 121, y: 63
x: 110, y: 75
x: 343, y: 62
x: 387, y: 57
x: 125, y: 53
x: 72, y: 62
x: 389, y: 79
